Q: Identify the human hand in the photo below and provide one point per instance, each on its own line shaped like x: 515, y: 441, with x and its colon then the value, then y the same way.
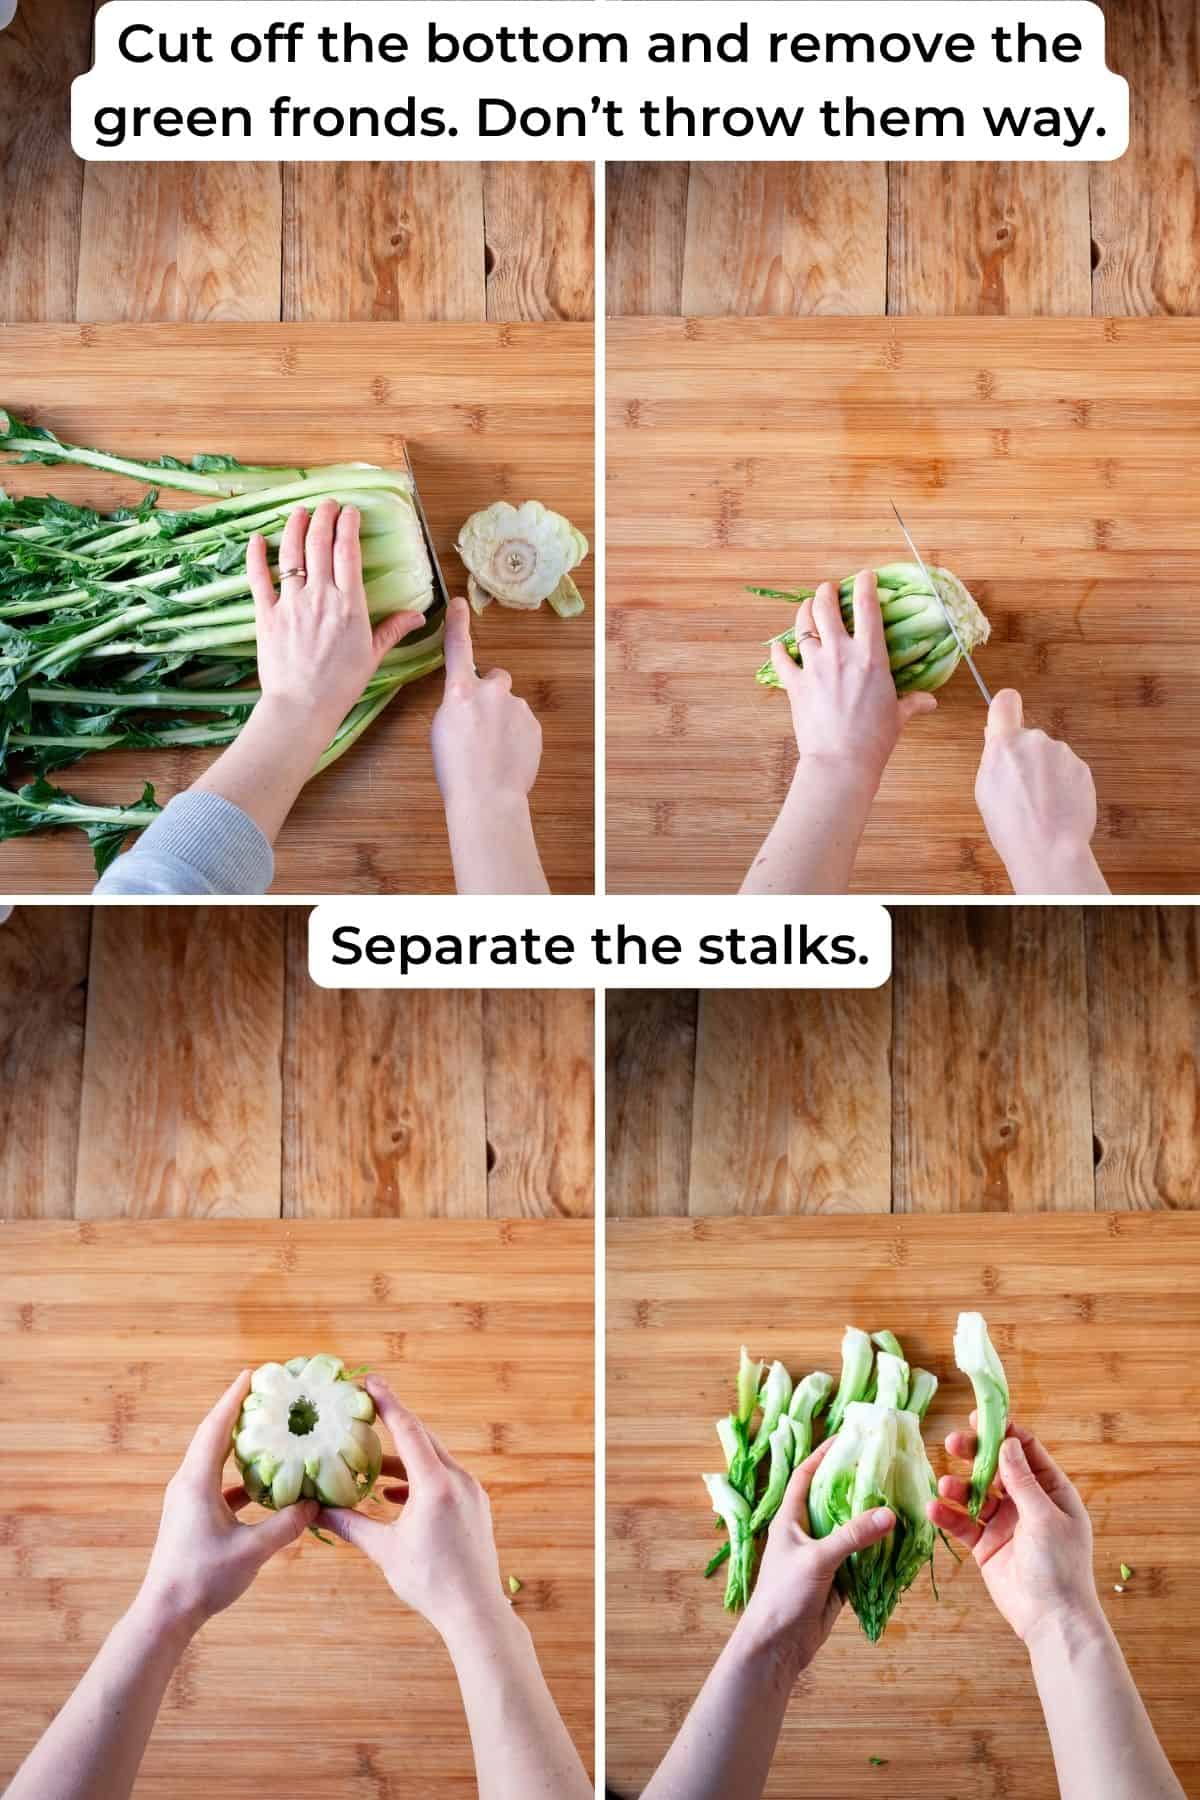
x: 845, y: 708
x: 487, y: 745
x: 795, y: 1603
x: 204, y: 1558
x: 439, y: 1555
x: 1038, y: 802
x: 1033, y: 1537
x: 316, y: 647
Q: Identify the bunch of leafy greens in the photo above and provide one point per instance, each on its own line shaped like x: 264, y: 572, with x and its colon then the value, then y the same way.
x: 878, y: 1459
x: 135, y: 629
x: 923, y: 652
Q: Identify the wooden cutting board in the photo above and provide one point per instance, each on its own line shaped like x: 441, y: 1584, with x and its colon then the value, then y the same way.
x: 489, y: 412
x: 119, y: 1338
x: 1050, y: 463
x: 1096, y: 1320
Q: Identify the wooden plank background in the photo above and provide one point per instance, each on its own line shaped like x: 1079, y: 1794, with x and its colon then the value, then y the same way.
x: 788, y: 239
x: 486, y: 410
x: 1096, y: 1320
x: 118, y: 1338
x: 176, y: 1062
x: 1048, y: 462
x: 107, y: 242
x: 1022, y: 1059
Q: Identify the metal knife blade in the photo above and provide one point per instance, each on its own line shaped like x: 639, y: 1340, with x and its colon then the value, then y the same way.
x: 439, y: 580
x: 962, y: 648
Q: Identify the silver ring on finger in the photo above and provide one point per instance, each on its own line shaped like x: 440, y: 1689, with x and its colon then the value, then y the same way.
x: 293, y: 574
x: 805, y: 637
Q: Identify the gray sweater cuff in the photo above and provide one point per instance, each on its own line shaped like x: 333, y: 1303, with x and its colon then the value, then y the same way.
x: 200, y: 844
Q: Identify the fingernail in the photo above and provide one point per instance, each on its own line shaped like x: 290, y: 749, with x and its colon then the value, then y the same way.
x: 881, y: 1516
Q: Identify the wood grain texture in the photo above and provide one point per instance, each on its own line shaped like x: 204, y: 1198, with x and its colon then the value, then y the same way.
x: 1144, y: 1005
x: 783, y: 239
x: 41, y: 180
x: 539, y: 228
x: 792, y: 1111
x: 1008, y: 239
x: 179, y: 241
x: 384, y: 1113
x: 1146, y: 207
x: 260, y: 241
x: 488, y: 411
x: 649, y: 1088
x: 767, y: 451
x: 381, y: 240
x: 43, y: 991
x: 991, y: 1095
x: 647, y: 207
x: 538, y: 1095
x: 1026, y: 1059
x: 486, y: 1330
x: 1115, y: 238
x: 1095, y: 1319
x: 199, y: 1072
x: 181, y: 1106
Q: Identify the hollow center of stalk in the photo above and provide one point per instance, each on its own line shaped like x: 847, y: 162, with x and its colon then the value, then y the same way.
x: 302, y: 1416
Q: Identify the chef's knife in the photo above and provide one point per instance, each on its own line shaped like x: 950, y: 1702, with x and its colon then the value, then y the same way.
x: 962, y: 648
x: 439, y: 580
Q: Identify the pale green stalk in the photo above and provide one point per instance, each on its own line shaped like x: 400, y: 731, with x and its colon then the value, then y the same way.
x: 858, y: 1357
x: 783, y: 1445
x: 807, y: 1403
x: 774, y: 1399
x: 975, y: 1355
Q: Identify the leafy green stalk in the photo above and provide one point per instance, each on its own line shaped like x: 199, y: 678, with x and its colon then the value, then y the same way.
x: 123, y: 631
x: 883, y: 1340
x: 157, y: 699
x: 891, y: 1380
x: 735, y: 1511
x: 868, y: 1572
x: 858, y: 1357
x: 975, y: 1355
x: 783, y: 1450
x: 808, y: 1401
x: 922, y: 1387
x: 783, y: 1445
x: 774, y: 1399
x: 729, y: 1439
x: 749, y: 1380
x: 922, y: 651
x: 205, y: 475
x: 878, y: 1459
x: 85, y: 743
x: 41, y: 807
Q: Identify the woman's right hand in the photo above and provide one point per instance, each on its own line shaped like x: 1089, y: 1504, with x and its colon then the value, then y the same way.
x: 1033, y: 1537
x: 439, y: 1555
x: 1037, y: 800
x: 487, y: 744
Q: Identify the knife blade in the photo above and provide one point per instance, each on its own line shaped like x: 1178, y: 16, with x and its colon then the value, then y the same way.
x: 962, y: 648
x: 439, y: 580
